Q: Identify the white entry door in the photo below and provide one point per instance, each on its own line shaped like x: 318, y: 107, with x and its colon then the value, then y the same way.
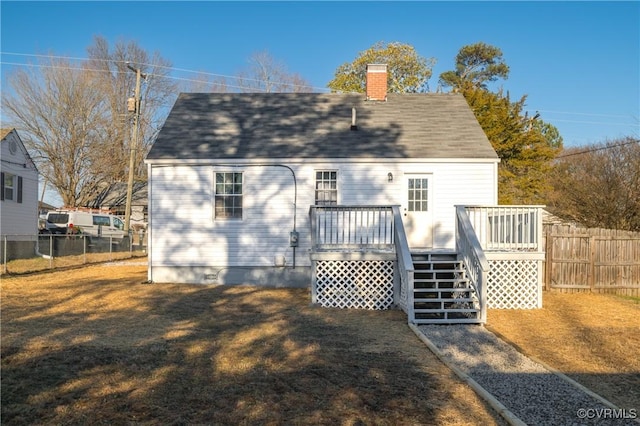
x: 418, y: 210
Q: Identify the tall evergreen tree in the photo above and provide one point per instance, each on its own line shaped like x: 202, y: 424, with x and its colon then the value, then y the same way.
x: 526, y: 145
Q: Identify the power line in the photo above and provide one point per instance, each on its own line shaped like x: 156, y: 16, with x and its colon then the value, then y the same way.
x: 583, y: 113
x: 592, y: 122
x: 123, y: 72
x: 152, y: 66
x: 602, y: 148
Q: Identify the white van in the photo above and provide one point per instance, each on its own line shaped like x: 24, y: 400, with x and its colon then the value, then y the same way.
x: 79, y: 222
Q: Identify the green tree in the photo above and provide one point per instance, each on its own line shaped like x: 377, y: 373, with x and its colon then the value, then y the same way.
x: 550, y: 133
x: 476, y: 64
x: 408, y: 72
x: 526, y: 147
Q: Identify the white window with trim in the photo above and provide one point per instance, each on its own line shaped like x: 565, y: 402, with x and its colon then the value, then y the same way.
x: 326, y: 187
x: 228, y: 195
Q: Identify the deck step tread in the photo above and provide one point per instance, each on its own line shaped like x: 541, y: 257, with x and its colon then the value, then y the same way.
x: 448, y: 321
x: 435, y: 311
x: 445, y: 276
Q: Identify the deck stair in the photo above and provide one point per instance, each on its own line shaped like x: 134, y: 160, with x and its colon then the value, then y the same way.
x: 442, y: 293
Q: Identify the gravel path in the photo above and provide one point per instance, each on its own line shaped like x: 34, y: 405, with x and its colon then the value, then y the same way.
x: 528, y: 390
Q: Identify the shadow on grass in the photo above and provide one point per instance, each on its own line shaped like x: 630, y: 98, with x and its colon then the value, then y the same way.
x: 111, y: 351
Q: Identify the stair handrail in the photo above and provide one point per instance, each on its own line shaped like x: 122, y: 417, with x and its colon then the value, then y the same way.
x: 405, y: 265
x: 471, y: 253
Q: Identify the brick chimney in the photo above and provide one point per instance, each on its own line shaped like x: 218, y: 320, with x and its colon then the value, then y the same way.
x: 377, y: 82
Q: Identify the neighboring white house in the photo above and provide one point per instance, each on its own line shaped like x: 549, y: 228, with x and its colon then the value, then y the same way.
x: 19, y: 196
x: 232, y: 176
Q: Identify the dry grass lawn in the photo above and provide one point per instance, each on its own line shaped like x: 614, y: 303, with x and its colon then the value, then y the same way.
x: 594, y: 339
x: 40, y: 264
x: 96, y: 345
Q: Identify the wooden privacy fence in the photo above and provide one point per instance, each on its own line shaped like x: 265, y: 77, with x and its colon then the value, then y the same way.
x: 592, y: 260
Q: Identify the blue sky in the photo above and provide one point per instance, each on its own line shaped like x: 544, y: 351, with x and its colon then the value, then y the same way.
x: 577, y: 62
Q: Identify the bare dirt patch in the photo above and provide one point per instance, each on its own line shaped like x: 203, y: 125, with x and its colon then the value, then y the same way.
x: 592, y: 338
x: 97, y: 345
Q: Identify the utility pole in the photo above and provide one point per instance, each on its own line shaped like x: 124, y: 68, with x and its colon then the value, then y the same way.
x: 134, y: 143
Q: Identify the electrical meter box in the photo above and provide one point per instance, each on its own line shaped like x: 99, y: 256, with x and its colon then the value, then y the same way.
x: 293, y: 239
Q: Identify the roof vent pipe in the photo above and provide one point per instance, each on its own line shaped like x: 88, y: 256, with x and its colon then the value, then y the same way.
x: 354, y: 126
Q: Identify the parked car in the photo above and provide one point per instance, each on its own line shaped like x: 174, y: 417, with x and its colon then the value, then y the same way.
x: 79, y: 222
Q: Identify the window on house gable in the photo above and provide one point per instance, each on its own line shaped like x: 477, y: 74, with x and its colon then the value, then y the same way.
x: 326, y: 187
x: 228, y: 196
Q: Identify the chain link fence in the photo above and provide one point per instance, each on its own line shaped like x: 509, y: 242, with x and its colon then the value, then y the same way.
x: 31, y: 253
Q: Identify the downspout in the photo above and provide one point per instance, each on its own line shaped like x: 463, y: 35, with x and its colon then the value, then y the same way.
x: 295, y: 207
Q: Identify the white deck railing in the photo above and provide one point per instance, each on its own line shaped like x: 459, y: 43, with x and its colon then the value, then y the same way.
x: 344, y: 227
x: 470, y: 252
x: 405, y: 266
x: 507, y: 228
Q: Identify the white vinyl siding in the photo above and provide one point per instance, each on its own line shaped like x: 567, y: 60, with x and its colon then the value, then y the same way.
x: 19, y: 216
x: 464, y: 183
x: 184, y: 232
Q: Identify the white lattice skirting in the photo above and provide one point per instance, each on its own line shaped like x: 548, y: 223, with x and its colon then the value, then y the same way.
x: 514, y: 284
x: 362, y: 284
x: 404, y: 296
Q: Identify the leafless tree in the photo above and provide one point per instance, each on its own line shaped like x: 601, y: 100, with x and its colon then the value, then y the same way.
x: 268, y: 75
x: 63, y: 120
x: 598, y: 185
x: 117, y: 82
x: 204, y: 83
x: 74, y: 119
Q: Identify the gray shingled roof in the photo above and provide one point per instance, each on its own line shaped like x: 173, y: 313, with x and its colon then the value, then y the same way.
x: 311, y: 125
x: 115, y: 195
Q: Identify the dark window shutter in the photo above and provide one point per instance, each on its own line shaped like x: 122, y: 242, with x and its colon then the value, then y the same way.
x: 2, y: 186
x: 19, y: 189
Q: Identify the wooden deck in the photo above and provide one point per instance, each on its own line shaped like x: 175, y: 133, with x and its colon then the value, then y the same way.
x: 361, y: 259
